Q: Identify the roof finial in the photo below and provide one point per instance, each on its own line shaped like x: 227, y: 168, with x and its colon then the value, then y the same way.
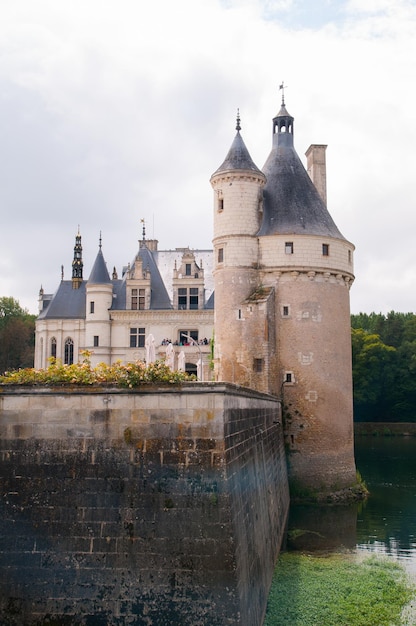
x: 282, y: 87
x: 238, y: 127
x: 100, y: 241
x: 143, y: 229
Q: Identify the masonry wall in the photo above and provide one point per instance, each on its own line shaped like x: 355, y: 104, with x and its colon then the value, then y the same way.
x: 151, y: 507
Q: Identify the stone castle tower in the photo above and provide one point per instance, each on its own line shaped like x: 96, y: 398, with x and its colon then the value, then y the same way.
x: 282, y: 273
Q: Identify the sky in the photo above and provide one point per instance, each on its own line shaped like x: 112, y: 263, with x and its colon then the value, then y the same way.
x: 113, y: 112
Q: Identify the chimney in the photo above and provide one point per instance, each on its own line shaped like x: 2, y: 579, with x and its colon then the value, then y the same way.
x: 316, y: 166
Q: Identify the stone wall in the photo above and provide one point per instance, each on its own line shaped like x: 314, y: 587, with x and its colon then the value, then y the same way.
x: 151, y: 507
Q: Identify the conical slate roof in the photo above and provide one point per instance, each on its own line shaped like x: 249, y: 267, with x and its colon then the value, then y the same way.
x: 292, y: 204
x: 238, y: 157
x: 99, y: 273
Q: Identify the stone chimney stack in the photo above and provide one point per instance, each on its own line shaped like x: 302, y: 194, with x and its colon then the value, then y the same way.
x: 316, y: 166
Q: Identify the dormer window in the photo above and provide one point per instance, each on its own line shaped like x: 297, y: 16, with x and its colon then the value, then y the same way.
x: 138, y: 299
x: 188, y: 269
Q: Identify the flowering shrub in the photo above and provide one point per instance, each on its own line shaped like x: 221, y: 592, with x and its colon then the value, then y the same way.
x: 122, y: 375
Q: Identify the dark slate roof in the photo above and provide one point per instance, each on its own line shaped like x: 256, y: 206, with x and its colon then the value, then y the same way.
x: 292, y: 204
x: 99, y: 273
x: 210, y: 302
x: 160, y: 297
x: 238, y: 158
x: 119, y: 295
x: 67, y: 303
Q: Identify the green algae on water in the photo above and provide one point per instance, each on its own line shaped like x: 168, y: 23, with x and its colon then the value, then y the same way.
x: 337, y: 591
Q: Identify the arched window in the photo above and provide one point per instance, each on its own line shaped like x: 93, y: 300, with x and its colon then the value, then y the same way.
x: 69, y: 351
x: 53, y: 347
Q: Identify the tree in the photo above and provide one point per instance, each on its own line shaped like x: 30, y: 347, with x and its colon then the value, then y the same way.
x: 17, y: 338
x: 384, y: 366
x: 373, y: 376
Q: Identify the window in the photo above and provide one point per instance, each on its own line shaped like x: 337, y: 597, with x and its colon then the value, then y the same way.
x: 193, y: 298
x: 220, y: 255
x: 96, y: 341
x: 188, y: 269
x: 137, y: 337
x: 288, y: 377
x: 53, y: 347
x: 188, y: 298
x: 182, y: 297
x: 285, y: 311
x: 349, y: 256
x: 142, y: 299
x: 185, y: 334
x: 134, y: 299
x: 258, y: 365
x: 325, y: 249
x: 69, y: 351
x: 289, y: 247
x: 92, y: 306
x: 220, y: 204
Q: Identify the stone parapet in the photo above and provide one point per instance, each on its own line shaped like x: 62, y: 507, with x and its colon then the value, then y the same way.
x: 160, y: 505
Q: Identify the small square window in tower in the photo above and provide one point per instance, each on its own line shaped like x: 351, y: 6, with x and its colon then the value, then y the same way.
x: 325, y: 249
x: 289, y: 247
x: 258, y: 365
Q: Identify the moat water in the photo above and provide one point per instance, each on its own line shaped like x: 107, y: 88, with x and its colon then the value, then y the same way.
x: 383, y: 524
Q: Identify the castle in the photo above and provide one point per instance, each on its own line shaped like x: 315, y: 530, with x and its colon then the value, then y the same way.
x: 281, y: 272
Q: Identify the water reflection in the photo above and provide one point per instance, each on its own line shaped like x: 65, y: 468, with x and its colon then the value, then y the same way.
x: 385, y: 523
x: 322, y: 528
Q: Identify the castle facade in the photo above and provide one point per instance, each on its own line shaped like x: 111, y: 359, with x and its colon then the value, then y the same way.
x: 281, y: 272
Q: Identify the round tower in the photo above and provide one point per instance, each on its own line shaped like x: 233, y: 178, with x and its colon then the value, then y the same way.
x: 99, y: 298
x: 309, y: 263
x: 237, y: 186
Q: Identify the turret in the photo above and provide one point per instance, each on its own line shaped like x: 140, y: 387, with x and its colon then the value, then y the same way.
x: 238, y: 207
x: 99, y: 292
x: 309, y: 263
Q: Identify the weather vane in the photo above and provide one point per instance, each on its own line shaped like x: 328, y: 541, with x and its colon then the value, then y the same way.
x: 282, y: 87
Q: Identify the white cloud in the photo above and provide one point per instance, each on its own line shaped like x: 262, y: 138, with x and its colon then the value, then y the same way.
x: 111, y: 112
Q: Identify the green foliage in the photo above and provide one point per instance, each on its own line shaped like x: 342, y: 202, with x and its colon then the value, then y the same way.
x: 384, y: 366
x: 17, y: 335
x: 127, y: 375
x: 337, y: 591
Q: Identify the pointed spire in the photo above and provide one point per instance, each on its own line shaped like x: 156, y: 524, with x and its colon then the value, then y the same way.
x: 99, y: 273
x: 77, y: 263
x: 142, y: 221
x: 292, y: 204
x: 238, y: 157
